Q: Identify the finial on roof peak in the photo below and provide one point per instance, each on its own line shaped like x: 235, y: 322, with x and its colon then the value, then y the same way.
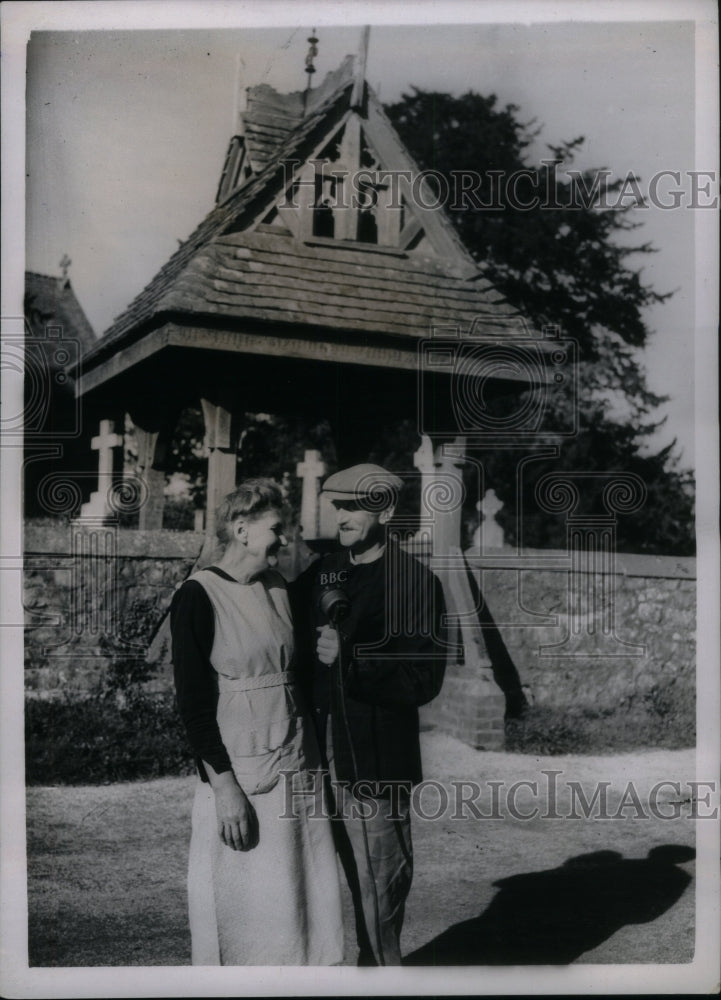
x: 65, y: 263
x: 309, y: 67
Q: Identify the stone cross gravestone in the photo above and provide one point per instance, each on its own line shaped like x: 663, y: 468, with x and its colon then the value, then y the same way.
x: 311, y: 470
x: 105, y: 444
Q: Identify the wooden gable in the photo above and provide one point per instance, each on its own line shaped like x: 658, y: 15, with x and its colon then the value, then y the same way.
x: 356, y: 187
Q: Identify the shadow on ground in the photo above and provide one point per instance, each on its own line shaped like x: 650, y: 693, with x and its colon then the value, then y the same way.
x: 552, y: 917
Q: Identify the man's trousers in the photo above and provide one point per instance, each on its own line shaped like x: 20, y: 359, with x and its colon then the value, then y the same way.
x: 377, y: 857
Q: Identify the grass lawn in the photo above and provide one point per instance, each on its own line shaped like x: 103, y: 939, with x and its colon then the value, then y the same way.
x: 107, y: 868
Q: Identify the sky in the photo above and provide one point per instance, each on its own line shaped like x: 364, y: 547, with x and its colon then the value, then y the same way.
x: 127, y: 132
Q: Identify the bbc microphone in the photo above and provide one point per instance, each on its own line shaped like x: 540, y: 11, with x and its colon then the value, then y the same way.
x: 335, y: 605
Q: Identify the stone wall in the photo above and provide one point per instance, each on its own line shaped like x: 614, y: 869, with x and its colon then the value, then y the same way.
x: 556, y: 637
x: 95, y: 600
x: 602, y: 643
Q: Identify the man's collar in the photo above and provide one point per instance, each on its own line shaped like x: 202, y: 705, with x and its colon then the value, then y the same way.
x: 367, y: 562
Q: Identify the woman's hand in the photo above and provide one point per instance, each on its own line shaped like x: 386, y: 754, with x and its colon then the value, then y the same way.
x: 327, y: 647
x: 237, y: 821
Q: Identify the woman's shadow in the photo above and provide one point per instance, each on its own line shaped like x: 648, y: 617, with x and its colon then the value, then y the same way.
x: 552, y: 917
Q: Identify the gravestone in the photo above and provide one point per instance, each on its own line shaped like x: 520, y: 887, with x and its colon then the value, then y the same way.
x: 489, y: 535
x: 311, y: 470
x: 106, y: 444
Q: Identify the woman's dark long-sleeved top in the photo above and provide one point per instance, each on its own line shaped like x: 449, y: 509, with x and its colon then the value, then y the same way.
x: 193, y: 630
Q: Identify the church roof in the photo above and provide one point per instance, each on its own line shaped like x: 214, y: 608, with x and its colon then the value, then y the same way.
x: 232, y: 266
x: 50, y: 300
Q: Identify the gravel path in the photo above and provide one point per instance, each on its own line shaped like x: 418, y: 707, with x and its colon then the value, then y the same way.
x: 106, y: 864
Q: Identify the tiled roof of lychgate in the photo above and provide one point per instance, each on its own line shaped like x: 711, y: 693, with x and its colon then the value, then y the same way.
x: 51, y: 300
x: 265, y: 276
x: 225, y: 272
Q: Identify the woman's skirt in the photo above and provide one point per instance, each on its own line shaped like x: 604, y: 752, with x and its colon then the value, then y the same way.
x: 278, y: 904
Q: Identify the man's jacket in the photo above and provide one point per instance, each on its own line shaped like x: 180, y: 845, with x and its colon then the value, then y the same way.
x: 392, y: 660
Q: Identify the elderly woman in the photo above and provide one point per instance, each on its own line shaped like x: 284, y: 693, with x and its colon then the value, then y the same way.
x: 262, y: 878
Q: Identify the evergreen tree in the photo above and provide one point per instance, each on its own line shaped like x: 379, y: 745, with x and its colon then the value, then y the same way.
x: 560, y: 263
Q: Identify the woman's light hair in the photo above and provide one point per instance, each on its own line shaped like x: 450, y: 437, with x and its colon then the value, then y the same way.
x: 251, y: 499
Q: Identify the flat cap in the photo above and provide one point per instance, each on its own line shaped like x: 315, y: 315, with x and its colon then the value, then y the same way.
x: 367, y: 482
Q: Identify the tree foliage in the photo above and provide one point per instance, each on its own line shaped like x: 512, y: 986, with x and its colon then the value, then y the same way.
x: 563, y: 262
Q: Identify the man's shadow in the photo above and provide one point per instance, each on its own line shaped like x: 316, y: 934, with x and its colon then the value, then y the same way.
x: 552, y: 917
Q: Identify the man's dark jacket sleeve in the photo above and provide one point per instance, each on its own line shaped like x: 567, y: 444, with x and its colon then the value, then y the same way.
x: 413, y: 674
x: 393, y: 656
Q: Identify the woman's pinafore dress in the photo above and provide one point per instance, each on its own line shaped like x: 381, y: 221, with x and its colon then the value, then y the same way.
x: 279, y: 903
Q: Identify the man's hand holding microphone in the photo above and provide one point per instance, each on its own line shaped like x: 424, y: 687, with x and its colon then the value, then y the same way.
x: 328, y: 645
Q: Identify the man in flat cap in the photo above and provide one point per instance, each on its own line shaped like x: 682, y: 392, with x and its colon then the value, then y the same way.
x: 370, y: 623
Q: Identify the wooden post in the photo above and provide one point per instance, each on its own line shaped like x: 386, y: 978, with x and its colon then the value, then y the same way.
x: 308, y: 182
x: 346, y: 217
x: 221, y: 441
x: 150, y: 516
